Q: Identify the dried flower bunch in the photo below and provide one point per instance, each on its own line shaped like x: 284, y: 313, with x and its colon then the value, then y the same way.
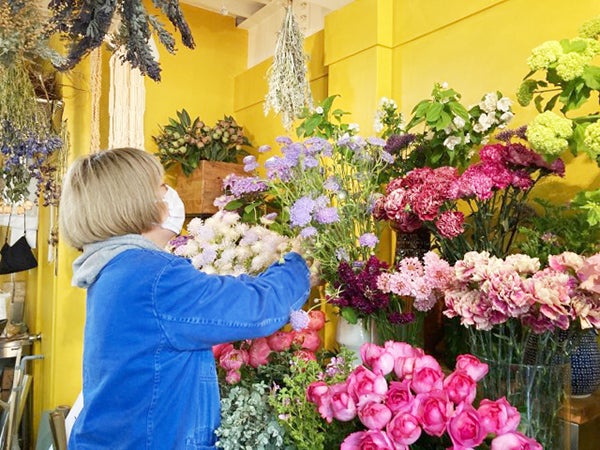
x: 289, y: 89
x: 28, y: 141
x: 87, y: 24
x: 188, y: 142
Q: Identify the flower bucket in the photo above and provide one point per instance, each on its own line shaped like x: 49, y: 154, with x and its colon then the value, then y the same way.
x: 541, y: 394
x: 353, y: 336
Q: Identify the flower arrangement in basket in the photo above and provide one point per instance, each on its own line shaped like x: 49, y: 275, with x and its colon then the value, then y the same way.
x: 187, y: 142
x: 400, y: 397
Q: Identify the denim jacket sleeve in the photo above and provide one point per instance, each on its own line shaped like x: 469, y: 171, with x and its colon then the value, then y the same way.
x: 196, y: 310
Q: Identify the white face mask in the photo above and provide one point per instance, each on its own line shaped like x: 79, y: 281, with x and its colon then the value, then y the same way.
x: 176, y: 217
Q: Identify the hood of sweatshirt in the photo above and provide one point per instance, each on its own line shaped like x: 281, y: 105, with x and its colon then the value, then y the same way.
x: 95, y: 256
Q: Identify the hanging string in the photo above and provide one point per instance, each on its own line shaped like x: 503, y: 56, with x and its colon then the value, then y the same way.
x: 96, y: 91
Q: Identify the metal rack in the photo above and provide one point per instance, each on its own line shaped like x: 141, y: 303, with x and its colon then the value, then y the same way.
x: 13, y: 409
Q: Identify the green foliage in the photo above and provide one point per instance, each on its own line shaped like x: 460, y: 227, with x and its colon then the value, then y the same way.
x: 589, y: 201
x: 304, y: 427
x: 318, y: 122
x: 556, y: 229
x: 187, y: 142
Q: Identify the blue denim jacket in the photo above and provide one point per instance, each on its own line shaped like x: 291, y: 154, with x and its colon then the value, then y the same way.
x: 149, y: 379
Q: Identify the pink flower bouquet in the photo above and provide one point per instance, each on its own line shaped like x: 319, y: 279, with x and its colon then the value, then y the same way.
x: 400, y: 396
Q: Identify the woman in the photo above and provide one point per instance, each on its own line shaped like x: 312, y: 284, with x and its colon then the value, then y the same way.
x: 149, y: 378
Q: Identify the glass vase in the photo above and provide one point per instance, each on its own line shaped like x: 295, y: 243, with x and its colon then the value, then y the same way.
x: 541, y: 394
x: 412, y: 332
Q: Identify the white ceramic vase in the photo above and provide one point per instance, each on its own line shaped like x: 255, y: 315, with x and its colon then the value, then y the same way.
x: 353, y: 336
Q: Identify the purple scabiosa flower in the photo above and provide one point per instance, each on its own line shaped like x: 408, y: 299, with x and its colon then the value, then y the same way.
x: 292, y: 152
x: 268, y: 219
x: 387, y: 157
x: 239, y: 186
x: 331, y: 184
x: 264, y: 148
x: 315, y: 145
x: 250, y: 163
x: 299, y: 319
x: 368, y: 240
x: 378, y: 142
x: 308, y: 232
x: 283, y: 140
x: 309, y: 161
x: 277, y: 168
x: 301, y: 211
x: 327, y: 215
x: 341, y: 254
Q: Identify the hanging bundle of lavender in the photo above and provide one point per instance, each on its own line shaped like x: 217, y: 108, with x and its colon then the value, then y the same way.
x: 289, y: 89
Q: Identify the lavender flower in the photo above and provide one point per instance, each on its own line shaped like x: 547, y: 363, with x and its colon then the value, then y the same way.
x: 264, y: 148
x: 397, y: 142
x: 250, y: 163
x: 331, y: 184
x: 327, y: 215
x: 308, y: 232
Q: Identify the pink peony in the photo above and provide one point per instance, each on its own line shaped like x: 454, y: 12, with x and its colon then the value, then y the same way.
x: 498, y: 416
x: 233, y: 359
x: 373, y: 414
x: 514, y: 441
x: 369, y: 440
x: 233, y: 376
x: 465, y: 427
x: 589, y: 273
x: 307, y: 339
x: 316, y: 320
x: 473, y: 366
x: 219, y: 349
x: 305, y: 355
x: 403, y: 429
x: 280, y: 341
x: 433, y: 409
x: 320, y: 394
x: 427, y: 375
x: 258, y: 353
x: 460, y: 387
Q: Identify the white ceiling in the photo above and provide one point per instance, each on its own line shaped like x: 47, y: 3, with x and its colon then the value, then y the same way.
x: 250, y: 12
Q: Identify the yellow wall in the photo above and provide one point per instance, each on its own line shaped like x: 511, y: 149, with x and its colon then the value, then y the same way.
x: 369, y: 49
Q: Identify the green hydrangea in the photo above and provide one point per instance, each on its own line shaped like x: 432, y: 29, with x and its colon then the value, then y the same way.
x: 591, y: 28
x: 570, y: 65
x: 592, y: 46
x: 591, y: 138
x: 545, y: 54
x: 548, y: 133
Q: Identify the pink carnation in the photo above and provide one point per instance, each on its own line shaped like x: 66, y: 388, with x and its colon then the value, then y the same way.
x: 450, y: 224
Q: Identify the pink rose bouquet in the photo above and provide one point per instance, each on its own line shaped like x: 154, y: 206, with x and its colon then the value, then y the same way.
x: 400, y: 396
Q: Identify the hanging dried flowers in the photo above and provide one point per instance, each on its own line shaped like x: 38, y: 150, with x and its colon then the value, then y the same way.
x: 289, y: 88
x: 87, y: 23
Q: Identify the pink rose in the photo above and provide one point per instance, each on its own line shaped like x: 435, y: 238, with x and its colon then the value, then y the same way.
x: 473, y: 366
x: 316, y: 320
x: 343, y: 406
x: 233, y: 359
x: 404, y: 367
x: 403, y: 429
x: 465, y: 427
x: 320, y: 394
x: 376, y: 357
x: 374, y: 415
x: 427, y: 375
x: 498, y: 416
x: 514, y: 441
x: 433, y: 409
x: 460, y: 387
x: 280, y: 341
x: 399, y: 397
x: 259, y: 352
x: 364, y: 382
x: 369, y: 440
x: 402, y: 349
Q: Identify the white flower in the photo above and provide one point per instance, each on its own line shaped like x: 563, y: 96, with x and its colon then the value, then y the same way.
x: 353, y: 127
x: 458, y: 122
x: 489, y: 102
x: 506, y: 117
x: 377, y: 125
x: 319, y: 110
x: 504, y: 104
x: 484, y: 122
x: 444, y: 85
x: 451, y: 141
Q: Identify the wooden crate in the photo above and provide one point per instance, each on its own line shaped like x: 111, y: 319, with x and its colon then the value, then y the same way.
x: 199, y: 190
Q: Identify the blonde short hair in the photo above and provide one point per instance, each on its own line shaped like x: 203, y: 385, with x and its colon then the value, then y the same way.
x: 110, y: 193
